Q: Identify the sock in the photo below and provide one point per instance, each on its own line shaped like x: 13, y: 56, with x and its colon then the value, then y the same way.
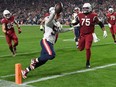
x: 113, y: 37
x: 11, y: 49
x: 88, y: 54
x: 39, y: 63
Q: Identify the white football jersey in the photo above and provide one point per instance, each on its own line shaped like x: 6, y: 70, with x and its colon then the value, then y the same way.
x: 51, y: 29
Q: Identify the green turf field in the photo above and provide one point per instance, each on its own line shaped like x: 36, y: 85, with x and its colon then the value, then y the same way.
x: 68, y: 59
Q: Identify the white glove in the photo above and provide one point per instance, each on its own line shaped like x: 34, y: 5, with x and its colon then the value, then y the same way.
x: 109, y: 25
x: 95, y: 38
x: 105, y: 34
x: 73, y: 21
x: 41, y: 27
x: 72, y: 28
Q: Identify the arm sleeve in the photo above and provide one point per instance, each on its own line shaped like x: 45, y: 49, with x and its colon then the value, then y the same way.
x: 65, y: 30
x: 51, y: 17
x: 99, y: 22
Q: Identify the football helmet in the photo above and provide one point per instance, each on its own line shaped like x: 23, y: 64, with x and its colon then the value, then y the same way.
x: 51, y: 10
x: 76, y: 9
x: 6, y: 14
x: 86, y: 8
x: 111, y: 10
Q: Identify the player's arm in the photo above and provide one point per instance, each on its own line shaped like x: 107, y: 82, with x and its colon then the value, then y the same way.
x: 102, y: 26
x: 42, y: 25
x: 65, y: 30
x: 18, y: 26
x: 4, y: 28
x: 51, y: 17
x: 107, y: 20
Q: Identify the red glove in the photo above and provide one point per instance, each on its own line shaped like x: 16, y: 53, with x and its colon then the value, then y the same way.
x: 19, y: 31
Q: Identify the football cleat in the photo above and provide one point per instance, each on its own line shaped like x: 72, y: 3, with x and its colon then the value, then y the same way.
x: 33, y: 63
x: 114, y: 42
x: 88, y: 65
x: 13, y: 54
x: 24, y: 73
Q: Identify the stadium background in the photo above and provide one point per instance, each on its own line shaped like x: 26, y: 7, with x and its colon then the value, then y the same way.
x: 33, y: 11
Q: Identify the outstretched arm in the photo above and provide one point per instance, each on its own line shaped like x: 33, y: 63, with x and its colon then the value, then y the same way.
x: 102, y: 26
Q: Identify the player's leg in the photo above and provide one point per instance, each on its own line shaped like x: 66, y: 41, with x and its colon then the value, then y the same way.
x: 9, y: 41
x: 47, y: 53
x: 114, y: 29
x: 76, y: 33
x: 81, y: 43
x: 113, y: 35
x: 15, y: 39
x: 88, y: 43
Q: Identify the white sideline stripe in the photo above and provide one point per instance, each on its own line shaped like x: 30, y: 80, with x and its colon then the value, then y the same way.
x: 66, y: 74
x: 4, y: 83
x: 7, y: 76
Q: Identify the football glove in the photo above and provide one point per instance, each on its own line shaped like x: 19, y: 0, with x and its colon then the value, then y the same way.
x: 95, y: 38
x: 109, y: 25
x: 41, y: 27
x: 105, y: 34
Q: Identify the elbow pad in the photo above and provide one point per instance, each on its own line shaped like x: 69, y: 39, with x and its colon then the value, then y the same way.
x: 101, y: 24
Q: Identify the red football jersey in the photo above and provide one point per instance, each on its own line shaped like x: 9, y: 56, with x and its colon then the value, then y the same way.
x: 87, y: 23
x: 8, y: 23
x: 111, y: 18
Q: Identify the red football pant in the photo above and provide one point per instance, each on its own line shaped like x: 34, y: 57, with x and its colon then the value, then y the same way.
x: 10, y: 38
x: 86, y: 42
x: 113, y: 31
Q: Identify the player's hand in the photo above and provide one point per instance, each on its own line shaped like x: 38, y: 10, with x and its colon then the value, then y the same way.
x: 109, y: 25
x: 95, y: 38
x: 6, y: 32
x: 105, y: 34
x: 41, y: 27
x: 19, y: 31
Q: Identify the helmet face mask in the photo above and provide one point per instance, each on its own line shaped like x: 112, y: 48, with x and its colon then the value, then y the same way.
x: 87, y: 8
x: 6, y: 14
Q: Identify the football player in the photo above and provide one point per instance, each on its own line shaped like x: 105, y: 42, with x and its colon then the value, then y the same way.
x: 8, y: 30
x: 52, y: 28
x: 87, y: 20
x: 111, y: 19
x: 76, y: 27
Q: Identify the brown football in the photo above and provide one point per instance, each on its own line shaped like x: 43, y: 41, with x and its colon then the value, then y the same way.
x: 58, y: 7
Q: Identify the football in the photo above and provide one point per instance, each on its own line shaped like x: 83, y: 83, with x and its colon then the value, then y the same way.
x: 58, y: 7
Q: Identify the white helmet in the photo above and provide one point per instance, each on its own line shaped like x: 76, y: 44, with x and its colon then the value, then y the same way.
x: 76, y: 8
x: 111, y: 10
x: 6, y: 14
x: 51, y: 9
x: 87, y: 8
